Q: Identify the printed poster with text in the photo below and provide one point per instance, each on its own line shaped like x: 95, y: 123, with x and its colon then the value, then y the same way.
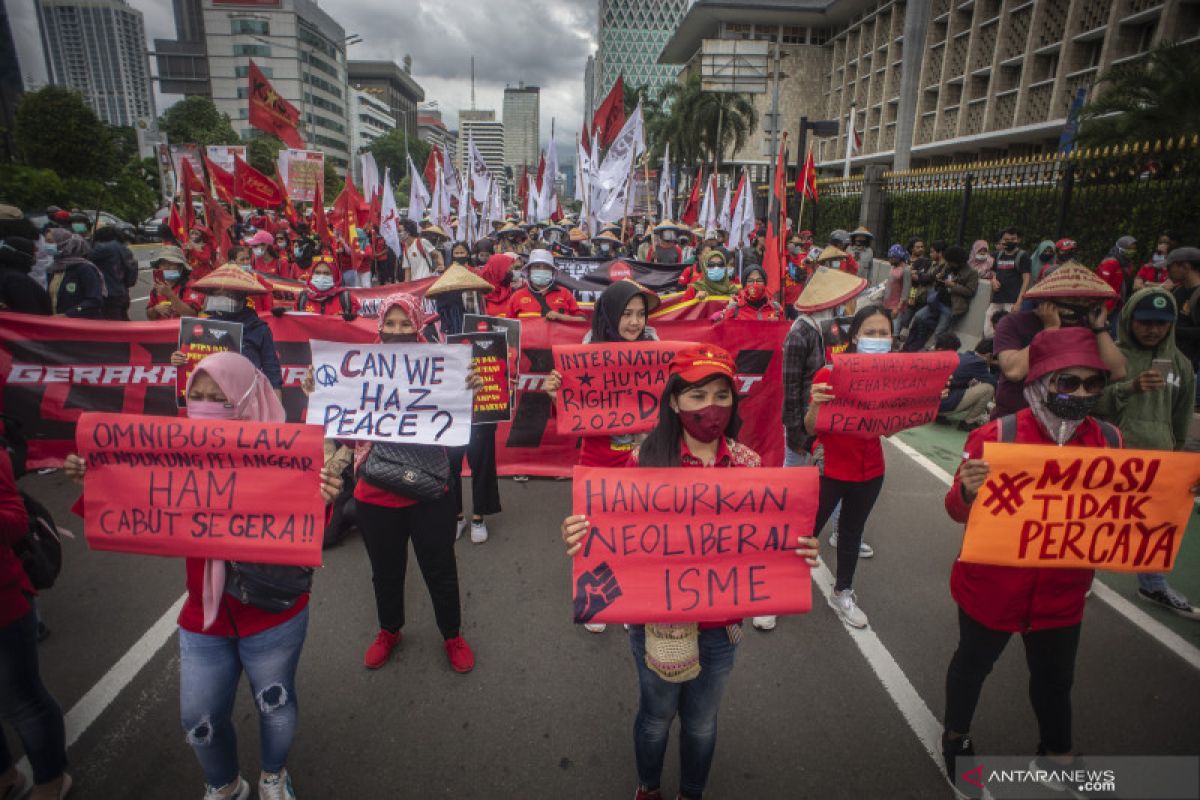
x: 200, y: 338
x: 489, y: 359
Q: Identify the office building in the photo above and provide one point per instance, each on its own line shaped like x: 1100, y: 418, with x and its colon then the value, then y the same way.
x: 369, y: 119
x: 488, y: 135
x: 522, y: 116
x: 632, y: 34
x: 987, y: 79
x: 394, y: 86
x: 431, y: 128
x: 98, y: 48
x: 299, y: 48
x: 589, y: 87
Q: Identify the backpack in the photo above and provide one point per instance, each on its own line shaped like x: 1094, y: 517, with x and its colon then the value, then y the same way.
x: 40, y: 551
x: 1008, y: 431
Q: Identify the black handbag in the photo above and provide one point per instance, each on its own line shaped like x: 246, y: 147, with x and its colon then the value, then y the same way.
x: 271, y: 587
x: 417, y: 471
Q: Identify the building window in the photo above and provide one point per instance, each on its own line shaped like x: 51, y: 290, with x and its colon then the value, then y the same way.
x: 259, y: 50
x: 738, y: 30
x: 793, y: 34
x: 258, y: 27
x: 244, y: 72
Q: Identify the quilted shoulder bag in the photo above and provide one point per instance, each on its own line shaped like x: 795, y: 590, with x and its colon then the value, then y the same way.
x: 417, y: 471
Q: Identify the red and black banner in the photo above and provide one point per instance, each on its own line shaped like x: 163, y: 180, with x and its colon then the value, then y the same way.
x: 52, y: 369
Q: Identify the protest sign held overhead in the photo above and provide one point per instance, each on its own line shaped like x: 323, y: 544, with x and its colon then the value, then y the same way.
x: 229, y: 490
x: 411, y: 393
x: 611, y: 388
x: 489, y: 360
x: 200, y: 338
x: 670, y: 545
x: 880, y: 394
x: 476, y: 323
x: 1081, y: 507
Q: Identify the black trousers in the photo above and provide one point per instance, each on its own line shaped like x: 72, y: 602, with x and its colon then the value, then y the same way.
x: 386, y: 533
x: 857, y: 499
x: 485, y: 484
x: 1050, y: 655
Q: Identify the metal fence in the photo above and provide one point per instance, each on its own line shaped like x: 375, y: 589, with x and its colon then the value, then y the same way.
x: 1091, y: 195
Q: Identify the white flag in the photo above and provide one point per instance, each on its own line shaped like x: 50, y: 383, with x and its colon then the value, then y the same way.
x: 435, y: 202
x: 548, y: 200
x: 708, y: 206
x: 664, y: 185
x: 481, y: 176
x: 742, y: 224
x: 370, y: 175
x: 389, y: 216
x: 418, y: 195
x: 724, y: 211
x: 450, y: 176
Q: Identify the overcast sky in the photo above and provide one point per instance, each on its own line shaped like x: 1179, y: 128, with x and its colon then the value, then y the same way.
x: 541, y: 42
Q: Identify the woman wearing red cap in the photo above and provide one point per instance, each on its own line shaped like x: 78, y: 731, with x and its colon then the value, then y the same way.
x: 697, y: 427
x: 1045, y: 606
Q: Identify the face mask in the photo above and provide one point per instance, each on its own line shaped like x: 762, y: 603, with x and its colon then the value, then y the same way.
x: 605, y: 248
x: 322, y: 282
x: 794, y: 249
x: 247, y: 267
x: 981, y: 255
x: 1071, y: 406
x: 793, y: 271
x: 260, y: 251
x: 754, y: 291
x: 78, y: 227
x: 298, y: 251
x: 1010, y: 245
x: 398, y: 338
x: 715, y: 274
x: 219, y: 304
x: 281, y: 247
x: 210, y: 409
x: 1129, y: 253
x: 667, y: 236
x: 51, y: 249
x: 639, y: 230
x: 708, y: 423
x: 541, y: 278
x: 1046, y: 257
x: 870, y: 344
x: 171, y: 275
x: 1157, y: 259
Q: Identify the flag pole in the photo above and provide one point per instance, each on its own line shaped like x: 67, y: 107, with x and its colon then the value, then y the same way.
x: 804, y: 191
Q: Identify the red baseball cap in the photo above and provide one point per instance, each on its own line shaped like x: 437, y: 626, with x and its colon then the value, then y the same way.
x: 696, y: 362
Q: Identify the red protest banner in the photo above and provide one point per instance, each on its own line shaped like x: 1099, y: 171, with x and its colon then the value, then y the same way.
x: 238, y: 491
x: 880, y: 394
x: 671, y: 545
x: 611, y: 388
x: 1081, y: 507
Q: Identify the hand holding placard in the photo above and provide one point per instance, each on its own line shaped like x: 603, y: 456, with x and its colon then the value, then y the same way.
x: 610, y: 389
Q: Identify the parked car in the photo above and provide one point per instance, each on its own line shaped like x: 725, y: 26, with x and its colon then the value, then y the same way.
x: 149, y: 228
x: 132, y: 233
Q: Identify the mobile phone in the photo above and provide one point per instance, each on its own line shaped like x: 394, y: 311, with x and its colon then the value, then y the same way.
x: 1162, y: 366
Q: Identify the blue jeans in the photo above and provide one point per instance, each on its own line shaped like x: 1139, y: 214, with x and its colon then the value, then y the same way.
x: 793, y: 459
x: 27, y: 706
x: 209, y: 672
x: 1152, y: 581
x: 696, y: 702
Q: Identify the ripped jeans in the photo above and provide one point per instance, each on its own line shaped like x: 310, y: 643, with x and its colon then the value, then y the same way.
x: 209, y: 673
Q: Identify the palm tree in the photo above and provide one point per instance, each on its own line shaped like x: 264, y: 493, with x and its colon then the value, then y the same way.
x: 1155, y: 98
x: 703, y: 125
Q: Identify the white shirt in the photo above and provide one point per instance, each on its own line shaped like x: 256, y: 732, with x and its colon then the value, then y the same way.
x: 418, y: 258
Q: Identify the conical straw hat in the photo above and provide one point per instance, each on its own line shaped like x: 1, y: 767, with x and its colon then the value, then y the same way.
x: 1071, y: 280
x: 828, y: 288
x: 231, y: 278
x: 831, y: 252
x: 458, y: 279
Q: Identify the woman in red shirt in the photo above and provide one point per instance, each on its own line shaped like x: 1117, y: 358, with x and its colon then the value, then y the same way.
x: 219, y: 634
x: 171, y: 297
x: 752, y: 302
x: 543, y: 297
x: 697, y: 427
x: 388, y: 521
x: 853, y: 474
x: 324, y: 294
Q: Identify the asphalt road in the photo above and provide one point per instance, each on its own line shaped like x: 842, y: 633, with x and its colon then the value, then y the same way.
x: 548, y: 711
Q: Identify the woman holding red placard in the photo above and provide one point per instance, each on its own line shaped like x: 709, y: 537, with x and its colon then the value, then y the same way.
x: 221, y: 635
x: 619, y: 316
x: 853, y: 473
x: 683, y: 668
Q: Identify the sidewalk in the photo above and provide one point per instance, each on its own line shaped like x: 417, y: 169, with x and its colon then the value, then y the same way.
x: 943, y: 444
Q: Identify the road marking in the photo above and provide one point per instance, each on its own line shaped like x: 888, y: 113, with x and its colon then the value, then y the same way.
x: 140, y: 299
x: 916, y: 714
x: 1149, y: 625
x: 99, y: 697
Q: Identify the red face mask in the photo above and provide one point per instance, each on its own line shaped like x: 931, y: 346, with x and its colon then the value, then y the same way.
x: 708, y: 423
x: 755, y: 291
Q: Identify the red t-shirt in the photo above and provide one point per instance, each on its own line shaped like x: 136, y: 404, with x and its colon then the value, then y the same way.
x: 187, y: 295
x: 235, y: 618
x: 525, y: 304
x: 262, y: 302
x: 1110, y: 271
x: 849, y: 458
x: 604, y: 451
x: 367, y: 493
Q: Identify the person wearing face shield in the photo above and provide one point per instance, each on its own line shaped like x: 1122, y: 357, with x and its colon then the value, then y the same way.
x: 1073, y: 297
x: 543, y: 297
x: 664, y: 249
x: 225, y: 291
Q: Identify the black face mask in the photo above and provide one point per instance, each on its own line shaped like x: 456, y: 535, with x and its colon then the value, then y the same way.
x: 1010, y: 246
x: 398, y: 338
x: 1071, y: 406
x: 1073, y: 316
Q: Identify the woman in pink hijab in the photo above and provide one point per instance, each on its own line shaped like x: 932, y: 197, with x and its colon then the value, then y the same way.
x: 219, y: 635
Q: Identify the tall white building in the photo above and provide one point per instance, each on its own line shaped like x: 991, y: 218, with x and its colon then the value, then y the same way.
x: 488, y: 135
x: 369, y: 119
x: 632, y: 34
x: 98, y: 48
x: 522, y: 116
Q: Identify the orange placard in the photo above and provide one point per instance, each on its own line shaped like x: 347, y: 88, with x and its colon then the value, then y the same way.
x: 1081, y: 507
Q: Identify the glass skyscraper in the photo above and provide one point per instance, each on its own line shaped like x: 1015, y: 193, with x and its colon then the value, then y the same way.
x: 632, y: 34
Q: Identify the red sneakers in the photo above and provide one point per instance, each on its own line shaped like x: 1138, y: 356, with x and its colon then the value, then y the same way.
x: 381, y: 649
x: 460, y: 655
x: 648, y: 794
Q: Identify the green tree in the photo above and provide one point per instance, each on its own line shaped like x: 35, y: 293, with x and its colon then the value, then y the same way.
x: 195, y: 120
x: 55, y: 129
x: 333, y: 183
x: 703, y: 125
x: 389, y: 152
x: 1156, y: 97
x: 262, y: 153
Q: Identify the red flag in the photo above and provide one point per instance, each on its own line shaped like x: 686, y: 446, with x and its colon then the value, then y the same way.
x: 175, y: 223
x: 271, y: 113
x: 220, y: 178
x: 220, y: 222
x: 431, y: 165
x: 587, y: 139
x: 806, y: 182
x: 347, y: 209
x: 320, y: 223
x: 289, y: 210
x: 188, y: 179
x: 773, y: 260
x: 610, y: 116
x: 691, y: 212
x: 523, y: 186
x: 252, y: 186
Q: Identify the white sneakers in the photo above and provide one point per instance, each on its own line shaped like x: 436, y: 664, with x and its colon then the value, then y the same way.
x: 479, y: 532
x: 277, y: 786
x: 242, y: 792
x: 763, y: 623
x: 459, y: 528
x: 864, y: 549
x: 595, y: 627
x: 845, y: 605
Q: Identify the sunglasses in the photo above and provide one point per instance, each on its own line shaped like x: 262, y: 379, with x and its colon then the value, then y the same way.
x: 1069, y: 384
